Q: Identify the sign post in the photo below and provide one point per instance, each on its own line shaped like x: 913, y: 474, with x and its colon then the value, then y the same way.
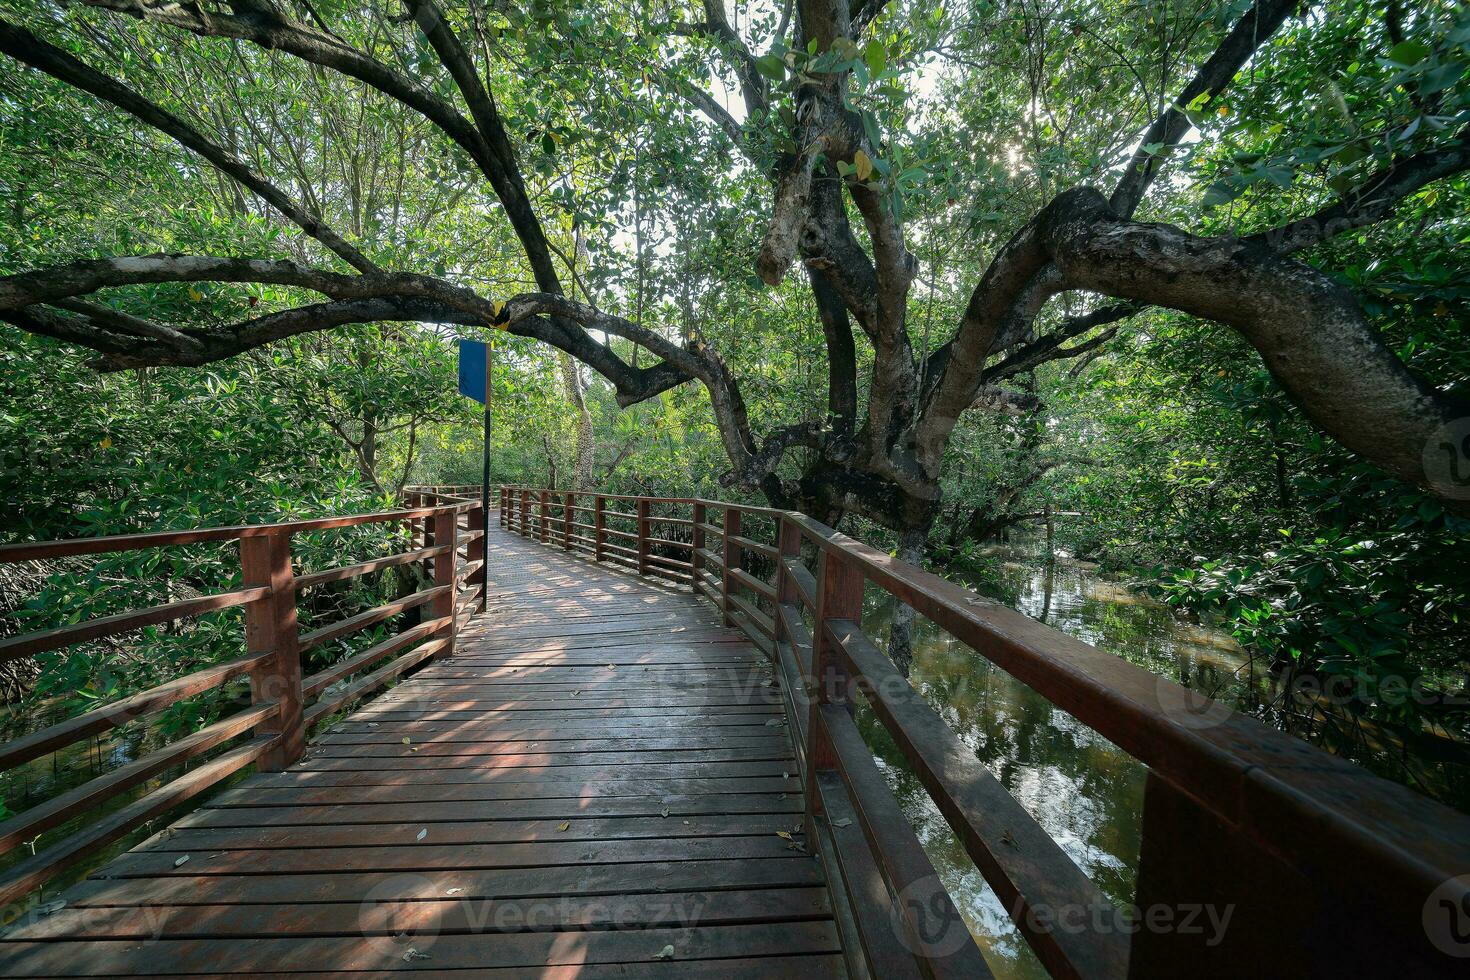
x: 475, y: 361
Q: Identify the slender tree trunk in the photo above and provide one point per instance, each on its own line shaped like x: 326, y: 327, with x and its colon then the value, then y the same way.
x: 911, y: 547
x: 572, y: 378
x: 586, y: 445
x: 370, y: 448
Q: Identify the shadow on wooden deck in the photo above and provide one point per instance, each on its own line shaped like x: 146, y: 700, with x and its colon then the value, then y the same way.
x: 598, y: 782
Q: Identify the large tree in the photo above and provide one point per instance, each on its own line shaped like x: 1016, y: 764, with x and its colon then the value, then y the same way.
x: 820, y: 115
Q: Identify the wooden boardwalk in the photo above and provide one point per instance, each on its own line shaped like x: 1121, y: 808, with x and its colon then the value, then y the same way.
x: 599, y: 782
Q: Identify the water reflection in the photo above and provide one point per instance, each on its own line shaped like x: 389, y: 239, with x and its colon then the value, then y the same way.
x: 1082, y: 789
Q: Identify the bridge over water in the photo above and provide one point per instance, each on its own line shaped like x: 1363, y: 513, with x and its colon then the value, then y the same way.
x: 615, y: 737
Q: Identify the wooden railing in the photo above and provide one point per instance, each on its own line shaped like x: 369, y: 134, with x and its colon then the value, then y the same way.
x: 1318, y: 867
x: 447, y: 537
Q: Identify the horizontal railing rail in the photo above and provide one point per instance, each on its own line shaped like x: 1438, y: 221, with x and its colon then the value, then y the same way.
x: 1323, y: 868
x: 284, y: 704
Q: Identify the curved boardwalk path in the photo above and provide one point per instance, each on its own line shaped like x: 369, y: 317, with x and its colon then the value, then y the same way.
x: 594, y: 785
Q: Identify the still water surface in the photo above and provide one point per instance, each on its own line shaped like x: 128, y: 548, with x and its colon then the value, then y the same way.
x: 1083, y: 790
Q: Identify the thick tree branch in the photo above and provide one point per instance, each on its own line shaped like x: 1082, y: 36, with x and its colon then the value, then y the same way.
x: 1308, y: 329
x: 1049, y: 348
x: 264, y: 26
x: 29, y: 49
x: 721, y: 117
x: 841, y: 352
x: 509, y: 186
x: 753, y: 87
x: 1372, y: 201
x: 1019, y: 261
x: 131, y: 342
x: 864, y: 12
x: 1018, y: 282
x: 764, y: 460
x: 1005, y: 401
x: 1250, y: 32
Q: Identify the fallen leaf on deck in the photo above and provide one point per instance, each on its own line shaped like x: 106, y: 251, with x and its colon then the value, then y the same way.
x: 784, y: 834
x: 454, y: 891
x: 422, y: 834
x: 181, y: 861
x: 412, y: 954
x: 564, y: 825
x: 406, y: 740
x: 667, y: 953
x: 51, y: 908
x: 664, y: 812
x: 842, y: 822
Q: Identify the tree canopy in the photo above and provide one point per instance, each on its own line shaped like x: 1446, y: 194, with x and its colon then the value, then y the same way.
x: 1193, y: 267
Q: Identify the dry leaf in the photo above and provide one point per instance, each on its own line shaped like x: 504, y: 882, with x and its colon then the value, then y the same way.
x: 454, y: 891
x: 406, y: 740
x: 422, y: 834
x: 411, y: 954
x: 667, y: 953
x: 784, y: 834
x: 664, y: 812
x: 181, y: 861
x: 564, y: 825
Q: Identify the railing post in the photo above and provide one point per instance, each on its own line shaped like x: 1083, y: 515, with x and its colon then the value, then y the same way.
x: 545, y: 514
x: 270, y: 625
x: 566, y: 520
x: 504, y: 506
x: 413, y: 500
x: 788, y: 545
x: 1192, y: 858
x: 599, y: 523
x: 697, y: 545
x: 477, y: 550
x: 642, y: 535
x: 839, y: 596
x: 525, y: 527
x: 731, y: 555
x: 446, y: 532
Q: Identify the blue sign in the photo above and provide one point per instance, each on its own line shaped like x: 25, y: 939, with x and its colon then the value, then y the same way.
x: 472, y: 356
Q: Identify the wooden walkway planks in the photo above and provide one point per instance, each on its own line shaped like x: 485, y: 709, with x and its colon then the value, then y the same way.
x: 601, y: 771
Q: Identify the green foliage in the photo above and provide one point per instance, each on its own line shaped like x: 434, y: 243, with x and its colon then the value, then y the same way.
x: 1174, y: 445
